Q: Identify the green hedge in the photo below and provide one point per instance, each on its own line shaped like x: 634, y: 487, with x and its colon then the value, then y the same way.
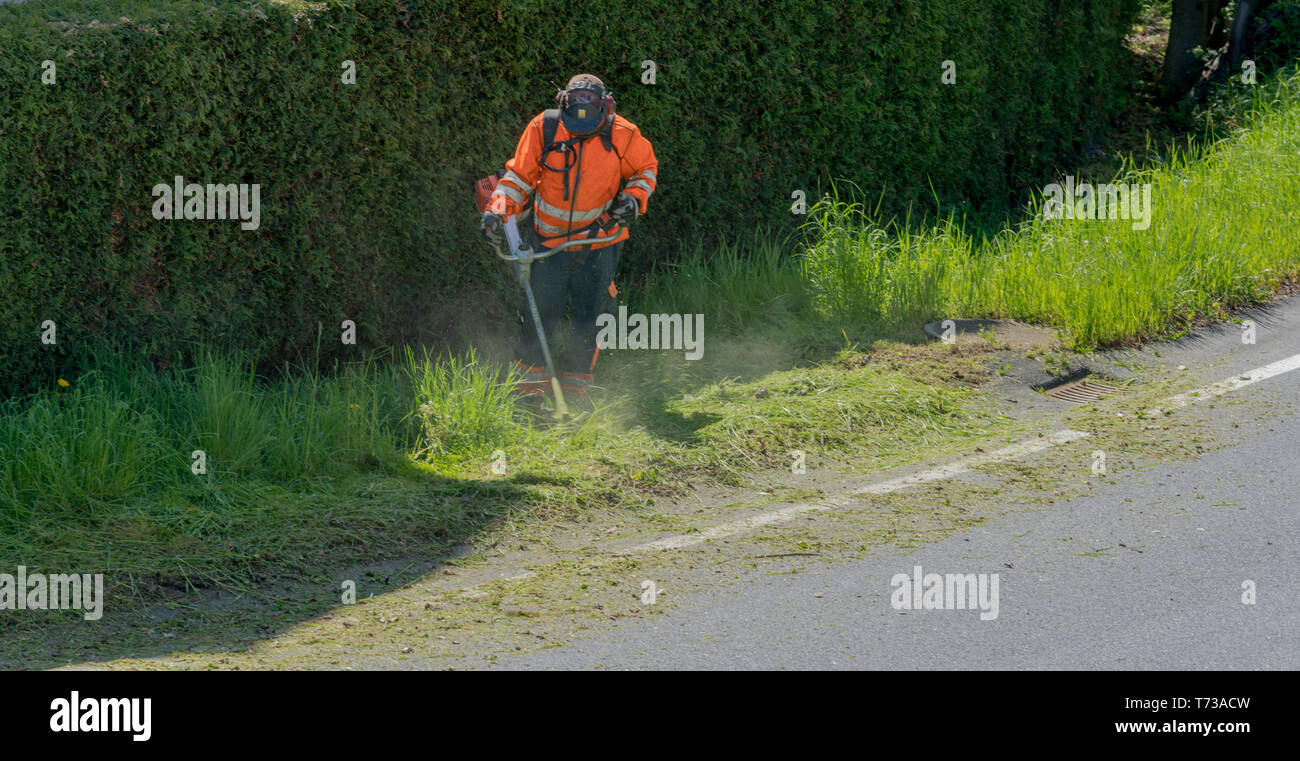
x: 365, y: 189
x: 1279, y: 35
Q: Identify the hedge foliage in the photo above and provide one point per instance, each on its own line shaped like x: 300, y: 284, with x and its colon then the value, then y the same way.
x: 365, y: 188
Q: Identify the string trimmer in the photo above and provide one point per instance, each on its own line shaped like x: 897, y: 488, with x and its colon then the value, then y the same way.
x: 523, y: 261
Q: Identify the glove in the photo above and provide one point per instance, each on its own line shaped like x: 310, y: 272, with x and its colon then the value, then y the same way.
x: 625, y: 209
x: 493, y: 229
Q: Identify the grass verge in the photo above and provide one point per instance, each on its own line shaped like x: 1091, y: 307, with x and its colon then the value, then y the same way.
x: 211, y: 476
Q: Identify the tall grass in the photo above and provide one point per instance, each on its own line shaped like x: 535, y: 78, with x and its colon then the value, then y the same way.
x: 741, y: 287
x: 98, y: 472
x: 70, y: 452
x: 463, y: 407
x: 123, y: 436
x: 865, y: 273
x: 1222, y: 234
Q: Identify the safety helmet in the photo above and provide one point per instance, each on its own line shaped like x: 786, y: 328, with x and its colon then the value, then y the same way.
x: 584, y: 104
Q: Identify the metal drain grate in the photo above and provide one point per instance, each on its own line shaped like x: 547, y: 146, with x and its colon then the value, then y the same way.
x: 1082, y: 391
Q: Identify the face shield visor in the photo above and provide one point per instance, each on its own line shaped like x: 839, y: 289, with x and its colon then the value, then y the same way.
x: 585, y: 112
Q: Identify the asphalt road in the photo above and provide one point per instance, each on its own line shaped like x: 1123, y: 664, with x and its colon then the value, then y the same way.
x: 1151, y: 572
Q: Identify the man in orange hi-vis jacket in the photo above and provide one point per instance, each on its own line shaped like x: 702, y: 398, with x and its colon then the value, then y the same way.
x: 580, y: 171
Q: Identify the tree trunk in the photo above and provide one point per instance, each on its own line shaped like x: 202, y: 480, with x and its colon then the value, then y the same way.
x: 1227, y: 62
x: 1239, y: 42
x: 1188, y: 29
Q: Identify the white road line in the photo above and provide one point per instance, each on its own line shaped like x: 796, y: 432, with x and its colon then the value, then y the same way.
x: 884, y: 487
x: 1229, y: 384
x: 998, y: 455
x: 781, y: 515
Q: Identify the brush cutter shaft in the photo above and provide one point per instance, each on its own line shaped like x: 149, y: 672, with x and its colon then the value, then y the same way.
x: 524, y: 262
x: 561, y: 409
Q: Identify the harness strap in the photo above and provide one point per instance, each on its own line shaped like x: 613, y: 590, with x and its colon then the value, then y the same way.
x: 550, y: 125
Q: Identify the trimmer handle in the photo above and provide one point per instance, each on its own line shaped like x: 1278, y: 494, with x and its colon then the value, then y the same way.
x: 528, y: 255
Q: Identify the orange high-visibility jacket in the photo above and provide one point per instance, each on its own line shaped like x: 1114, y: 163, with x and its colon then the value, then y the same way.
x: 593, y: 181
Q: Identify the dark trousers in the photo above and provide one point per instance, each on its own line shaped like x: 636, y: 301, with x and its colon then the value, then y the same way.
x: 578, y: 280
